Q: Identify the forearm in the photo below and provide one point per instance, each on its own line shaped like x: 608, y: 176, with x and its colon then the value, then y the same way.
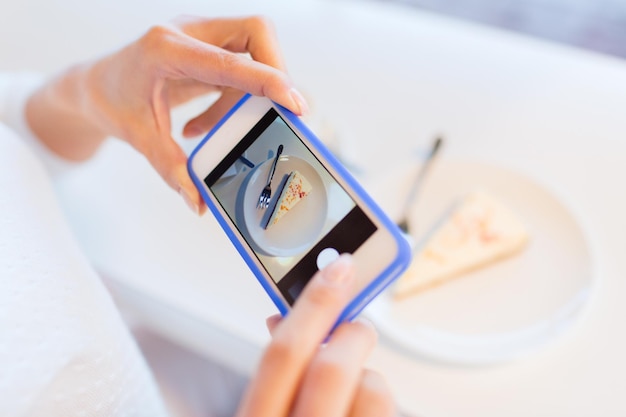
x: 59, y: 114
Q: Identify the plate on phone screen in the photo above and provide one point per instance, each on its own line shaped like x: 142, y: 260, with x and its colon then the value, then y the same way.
x: 301, y: 226
x: 504, y: 310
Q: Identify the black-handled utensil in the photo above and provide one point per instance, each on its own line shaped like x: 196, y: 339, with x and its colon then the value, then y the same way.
x: 403, y: 224
x: 266, y: 194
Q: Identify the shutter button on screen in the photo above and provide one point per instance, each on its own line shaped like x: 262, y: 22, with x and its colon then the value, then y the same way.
x: 326, y: 256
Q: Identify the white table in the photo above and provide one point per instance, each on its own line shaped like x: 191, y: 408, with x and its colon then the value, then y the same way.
x: 376, y: 71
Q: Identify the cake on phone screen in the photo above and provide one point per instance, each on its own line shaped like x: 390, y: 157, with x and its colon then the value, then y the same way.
x: 307, y: 210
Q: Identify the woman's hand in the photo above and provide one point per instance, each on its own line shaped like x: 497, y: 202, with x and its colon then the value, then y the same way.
x: 129, y: 94
x: 300, y: 376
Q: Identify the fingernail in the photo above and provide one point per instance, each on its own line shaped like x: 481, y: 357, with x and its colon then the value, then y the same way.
x: 192, y: 206
x: 192, y: 131
x: 271, y: 323
x: 365, y: 322
x: 340, y: 272
x: 299, y: 100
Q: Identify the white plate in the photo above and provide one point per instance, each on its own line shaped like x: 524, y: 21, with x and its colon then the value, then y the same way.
x: 299, y: 228
x: 505, y: 310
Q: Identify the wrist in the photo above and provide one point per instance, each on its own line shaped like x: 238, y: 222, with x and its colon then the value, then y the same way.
x: 61, y: 116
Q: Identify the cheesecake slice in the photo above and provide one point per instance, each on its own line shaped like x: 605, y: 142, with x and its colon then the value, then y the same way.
x: 479, y: 232
x: 295, y: 189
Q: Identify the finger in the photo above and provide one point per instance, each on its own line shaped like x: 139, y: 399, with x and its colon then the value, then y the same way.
x: 169, y: 160
x: 272, y: 322
x: 331, y: 381
x: 183, y: 90
x: 255, y: 35
x: 373, y: 397
x: 188, y: 191
x: 207, y: 120
x: 297, y: 338
x: 182, y: 56
x: 224, y: 68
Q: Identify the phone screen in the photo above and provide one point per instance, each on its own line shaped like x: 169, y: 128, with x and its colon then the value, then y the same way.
x: 308, y: 216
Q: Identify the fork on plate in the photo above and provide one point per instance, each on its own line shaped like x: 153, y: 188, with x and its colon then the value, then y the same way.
x: 403, y: 223
x: 266, y: 194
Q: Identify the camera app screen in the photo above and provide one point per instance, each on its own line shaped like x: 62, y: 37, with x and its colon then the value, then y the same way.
x: 286, y: 205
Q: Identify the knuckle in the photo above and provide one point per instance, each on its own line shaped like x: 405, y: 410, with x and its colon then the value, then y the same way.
x: 327, y: 371
x: 156, y: 37
x: 281, y: 353
x: 226, y: 68
x: 226, y: 61
x: 157, y: 33
x: 259, y: 23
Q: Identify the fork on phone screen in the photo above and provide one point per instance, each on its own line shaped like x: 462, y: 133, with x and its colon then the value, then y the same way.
x: 266, y: 194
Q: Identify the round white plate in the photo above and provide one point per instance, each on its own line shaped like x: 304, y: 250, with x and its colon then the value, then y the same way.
x: 299, y: 228
x: 504, y: 310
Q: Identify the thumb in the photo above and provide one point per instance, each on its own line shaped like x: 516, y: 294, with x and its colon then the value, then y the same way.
x: 211, y: 116
x: 170, y: 162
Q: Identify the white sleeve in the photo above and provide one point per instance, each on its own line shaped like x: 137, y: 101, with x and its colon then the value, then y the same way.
x: 64, y: 349
x: 15, y: 89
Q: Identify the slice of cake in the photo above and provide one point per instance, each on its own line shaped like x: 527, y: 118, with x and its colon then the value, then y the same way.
x: 295, y: 189
x: 480, y: 231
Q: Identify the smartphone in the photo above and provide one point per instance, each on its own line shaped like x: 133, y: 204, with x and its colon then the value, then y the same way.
x: 289, y: 206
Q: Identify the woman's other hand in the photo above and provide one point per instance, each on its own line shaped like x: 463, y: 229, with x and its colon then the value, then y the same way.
x: 129, y: 94
x: 299, y: 375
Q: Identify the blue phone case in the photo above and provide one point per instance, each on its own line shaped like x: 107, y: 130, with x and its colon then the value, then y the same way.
x: 377, y: 285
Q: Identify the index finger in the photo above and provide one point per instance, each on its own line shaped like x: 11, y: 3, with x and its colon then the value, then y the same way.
x: 255, y: 35
x: 297, y: 338
x: 212, y: 65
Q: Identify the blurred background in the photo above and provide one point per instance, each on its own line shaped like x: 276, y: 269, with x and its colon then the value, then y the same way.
x: 599, y: 25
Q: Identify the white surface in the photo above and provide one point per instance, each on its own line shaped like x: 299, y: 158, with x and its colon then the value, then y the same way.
x: 388, y: 79
x: 503, y: 311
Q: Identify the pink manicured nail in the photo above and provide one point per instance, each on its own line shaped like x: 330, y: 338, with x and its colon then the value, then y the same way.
x: 299, y: 100
x: 366, y: 323
x: 193, y: 131
x: 339, y: 272
x: 192, y: 206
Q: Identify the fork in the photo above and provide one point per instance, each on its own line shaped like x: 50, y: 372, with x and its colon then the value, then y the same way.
x: 403, y: 224
x: 266, y: 194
